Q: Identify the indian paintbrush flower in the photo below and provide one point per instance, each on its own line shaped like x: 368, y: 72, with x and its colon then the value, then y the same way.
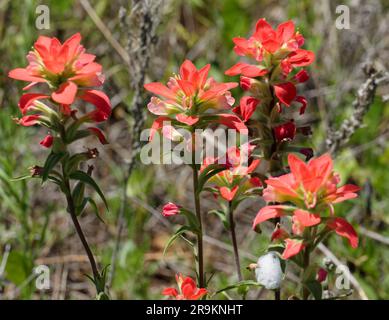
x: 70, y: 73
x: 187, y: 289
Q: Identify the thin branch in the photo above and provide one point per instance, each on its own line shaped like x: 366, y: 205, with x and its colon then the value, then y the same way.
x: 361, y: 106
x: 141, y: 24
x: 374, y: 235
x: 104, y: 30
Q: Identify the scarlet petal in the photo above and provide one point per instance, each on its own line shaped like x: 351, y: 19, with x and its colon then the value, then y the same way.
x: 241, y: 46
x: 285, y: 92
x: 99, y: 134
x: 279, y: 234
x: 47, y: 141
x: 245, y: 69
x: 42, y: 45
x: 234, y: 122
x: 303, y: 102
x: 271, y: 45
x: 188, y: 288
x: 187, y: 87
x: 160, y: 89
x: 71, y: 45
x: 170, y: 292
x: 189, y: 120
x: 228, y: 193
x: 199, y: 294
x: 187, y: 69
x: 285, y: 31
x: 23, y: 74
x: 344, y: 229
x: 253, y: 71
x: 301, y: 58
x: 30, y: 120
x: 306, y: 218
x: 66, y: 93
x: 202, y: 75
x: 27, y: 100
x: 246, y: 108
x: 299, y: 168
x: 157, y: 125
x: 102, y: 103
x: 171, y: 133
x: 301, y: 76
x: 263, y: 30
x: 268, y: 212
x: 292, y: 248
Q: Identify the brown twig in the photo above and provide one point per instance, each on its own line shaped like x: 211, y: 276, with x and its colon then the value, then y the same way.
x: 361, y: 106
x: 141, y: 24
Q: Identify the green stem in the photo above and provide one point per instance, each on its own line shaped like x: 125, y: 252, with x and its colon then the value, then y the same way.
x: 81, y: 235
x: 234, y: 242
x: 306, y: 258
x: 200, y: 253
x: 73, y: 215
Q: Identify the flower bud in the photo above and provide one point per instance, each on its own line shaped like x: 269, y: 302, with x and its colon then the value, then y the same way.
x: 170, y: 209
x: 321, y: 275
x: 286, y: 131
x: 246, y: 82
x: 92, y: 153
x: 301, y: 76
x: 36, y: 171
x: 268, y: 271
x: 307, y: 152
x: 47, y: 141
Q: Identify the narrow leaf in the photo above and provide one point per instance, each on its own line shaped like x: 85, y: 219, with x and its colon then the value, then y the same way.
x: 84, y: 177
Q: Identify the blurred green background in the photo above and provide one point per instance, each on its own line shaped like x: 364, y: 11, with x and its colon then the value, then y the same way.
x: 34, y: 227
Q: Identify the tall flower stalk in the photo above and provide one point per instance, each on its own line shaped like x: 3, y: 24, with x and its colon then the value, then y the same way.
x: 233, y: 184
x: 271, y: 82
x: 192, y: 101
x: 70, y: 73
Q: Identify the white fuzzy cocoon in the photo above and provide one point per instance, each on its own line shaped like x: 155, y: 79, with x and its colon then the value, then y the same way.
x: 268, y: 271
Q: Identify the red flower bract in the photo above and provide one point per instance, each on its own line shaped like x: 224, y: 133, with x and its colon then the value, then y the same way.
x: 187, y: 289
x: 190, y: 97
x: 64, y: 67
x: 309, y: 184
x: 286, y: 131
x: 233, y: 180
x: 282, y: 45
x: 310, y: 187
x: 189, y: 94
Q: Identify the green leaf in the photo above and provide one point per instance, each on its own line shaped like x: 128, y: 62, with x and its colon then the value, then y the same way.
x: 80, y: 208
x: 84, y: 177
x: 95, y: 208
x: 222, y: 216
x: 239, y: 285
x: 50, y: 163
x: 314, y: 288
x: 24, y: 177
x: 208, y: 173
x: 78, y: 193
x: 174, y: 237
x: 192, y: 219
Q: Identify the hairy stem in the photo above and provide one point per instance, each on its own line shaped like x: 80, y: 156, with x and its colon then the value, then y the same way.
x: 73, y: 215
x: 82, y: 236
x: 234, y: 242
x: 305, y: 291
x: 196, y: 194
x: 200, y: 254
